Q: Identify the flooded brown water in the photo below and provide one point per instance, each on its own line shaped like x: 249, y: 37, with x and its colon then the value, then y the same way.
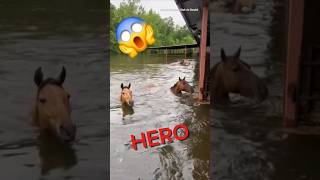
x: 248, y: 141
x: 23, y: 152
x: 51, y: 35
x: 155, y: 107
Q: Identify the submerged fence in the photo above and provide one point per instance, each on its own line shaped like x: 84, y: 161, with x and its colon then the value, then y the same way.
x: 187, y: 49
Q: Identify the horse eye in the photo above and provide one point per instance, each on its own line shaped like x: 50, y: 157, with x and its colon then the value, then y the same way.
x: 42, y: 100
x: 69, y: 96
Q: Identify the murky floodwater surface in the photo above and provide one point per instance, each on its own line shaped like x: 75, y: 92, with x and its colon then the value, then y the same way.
x: 52, y: 34
x: 24, y: 153
x: 156, y: 107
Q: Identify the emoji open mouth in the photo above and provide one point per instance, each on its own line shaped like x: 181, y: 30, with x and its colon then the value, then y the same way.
x: 138, y: 42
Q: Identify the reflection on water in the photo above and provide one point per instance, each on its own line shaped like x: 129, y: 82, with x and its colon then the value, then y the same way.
x: 248, y: 141
x: 151, y: 77
x: 127, y: 110
x: 54, y: 153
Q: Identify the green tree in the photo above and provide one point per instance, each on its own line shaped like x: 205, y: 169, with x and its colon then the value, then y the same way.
x: 166, y: 32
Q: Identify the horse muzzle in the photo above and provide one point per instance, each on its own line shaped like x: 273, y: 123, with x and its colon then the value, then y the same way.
x: 130, y: 103
x: 67, y: 132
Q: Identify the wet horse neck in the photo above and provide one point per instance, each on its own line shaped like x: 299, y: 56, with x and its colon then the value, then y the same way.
x: 219, y: 93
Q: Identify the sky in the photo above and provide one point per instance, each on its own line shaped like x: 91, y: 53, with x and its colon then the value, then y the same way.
x: 165, y: 8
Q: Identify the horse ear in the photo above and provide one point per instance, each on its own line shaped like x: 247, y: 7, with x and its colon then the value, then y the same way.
x: 179, y: 78
x: 184, y: 78
x: 129, y: 85
x: 237, y: 54
x: 38, y: 76
x: 222, y: 54
x: 121, y: 86
x: 62, y: 76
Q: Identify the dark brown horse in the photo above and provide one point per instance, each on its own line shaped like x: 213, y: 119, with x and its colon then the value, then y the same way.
x: 233, y: 75
x: 52, y: 110
x: 181, y: 85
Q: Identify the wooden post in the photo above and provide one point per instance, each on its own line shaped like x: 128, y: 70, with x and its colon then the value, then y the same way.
x: 166, y: 55
x: 295, y: 30
x: 203, y: 48
x: 185, y: 52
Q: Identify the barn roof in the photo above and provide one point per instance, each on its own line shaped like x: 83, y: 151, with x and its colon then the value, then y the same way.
x: 191, y: 10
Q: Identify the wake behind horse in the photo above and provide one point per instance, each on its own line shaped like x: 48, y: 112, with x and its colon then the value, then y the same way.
x: 52, y: 112
x: 233, y: 75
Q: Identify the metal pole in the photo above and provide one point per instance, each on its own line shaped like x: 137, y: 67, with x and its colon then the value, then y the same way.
x: 203, y: 48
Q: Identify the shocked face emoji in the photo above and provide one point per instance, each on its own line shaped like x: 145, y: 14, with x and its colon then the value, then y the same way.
x: 133, y: 36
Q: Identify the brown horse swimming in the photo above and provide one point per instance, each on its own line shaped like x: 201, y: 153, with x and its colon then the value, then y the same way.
x: 185, y: 62
x: 181, y: 85
x: 126, y: 99
x: 126, y: 96
x: 232, y: 75
x: 52, y: 108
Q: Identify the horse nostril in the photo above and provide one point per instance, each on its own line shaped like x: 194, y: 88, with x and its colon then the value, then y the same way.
x: 42, y: 100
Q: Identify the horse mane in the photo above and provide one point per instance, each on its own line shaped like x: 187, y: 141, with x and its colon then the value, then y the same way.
x: 125, y: 87
x: 51, y: 81
x: 215, y: 67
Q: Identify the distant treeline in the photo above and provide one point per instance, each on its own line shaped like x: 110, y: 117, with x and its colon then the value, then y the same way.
x: 53, y: 15
x: 166, y: 32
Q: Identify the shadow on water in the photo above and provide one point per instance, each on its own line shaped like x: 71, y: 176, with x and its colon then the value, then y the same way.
x: 127, y: 110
